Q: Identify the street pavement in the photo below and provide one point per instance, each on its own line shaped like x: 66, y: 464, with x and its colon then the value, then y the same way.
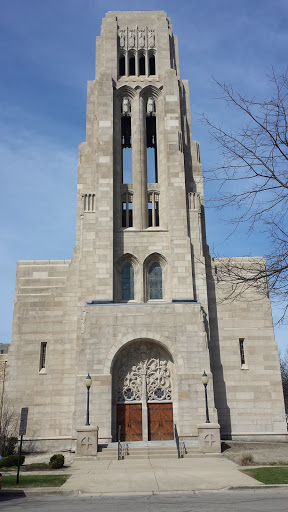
x: 263, y: 500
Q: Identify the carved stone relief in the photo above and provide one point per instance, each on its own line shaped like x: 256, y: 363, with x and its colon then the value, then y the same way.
x: 136, y: 38
x: 141, y: 39
x: 143, y: 374
x: 151, y: 38
x: 150, y: 106
x: 126, y: 106
x: 209, y: 440
x: 131, y: 39
x: 122, y: 38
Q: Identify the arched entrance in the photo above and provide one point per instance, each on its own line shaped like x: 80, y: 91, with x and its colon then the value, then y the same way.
x: 142, y: 392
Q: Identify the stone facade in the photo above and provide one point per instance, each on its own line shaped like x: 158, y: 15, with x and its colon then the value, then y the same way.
x: 137, y: 305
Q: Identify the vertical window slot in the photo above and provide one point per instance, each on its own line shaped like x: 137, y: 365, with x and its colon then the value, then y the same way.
x: 43, y: 351
x: 127, y: 210
x: 242, y: 353
x: 155, y: 281
x: 150, y: 209
x: 127, y: 282
x: 132, y: 65
x: 152, y: 68
x: 126, y: 149
x: 156, y: 207
x: 142, y: 70
x: 151, y: 140
x: 153, y: 209
x: 122, y: 65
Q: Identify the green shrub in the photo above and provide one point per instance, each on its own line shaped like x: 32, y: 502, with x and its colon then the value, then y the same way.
x: 11, y: 445
x: 56, y: 461
x: 11, y: 460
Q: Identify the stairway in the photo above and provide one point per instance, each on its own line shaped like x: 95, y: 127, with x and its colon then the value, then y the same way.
x: 147, y: 450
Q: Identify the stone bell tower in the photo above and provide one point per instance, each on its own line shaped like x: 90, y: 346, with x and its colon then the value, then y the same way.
x: 140, y: 229
x: 139, y: 306
x: 140, y: 182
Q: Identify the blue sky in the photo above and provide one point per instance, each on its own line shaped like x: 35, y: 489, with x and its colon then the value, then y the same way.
x: 47, y: 54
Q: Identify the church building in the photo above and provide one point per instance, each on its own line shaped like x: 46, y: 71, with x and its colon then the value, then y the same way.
x: 140, y: 304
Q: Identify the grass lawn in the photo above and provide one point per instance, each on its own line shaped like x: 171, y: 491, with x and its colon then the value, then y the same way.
x: 34, y: 481
x: 267, y: 476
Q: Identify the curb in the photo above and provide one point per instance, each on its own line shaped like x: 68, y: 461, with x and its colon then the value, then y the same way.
x: 36, y: 491
x: 255, y: 487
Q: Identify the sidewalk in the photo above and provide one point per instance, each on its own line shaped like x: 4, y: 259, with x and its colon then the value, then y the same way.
x: 156, y: 475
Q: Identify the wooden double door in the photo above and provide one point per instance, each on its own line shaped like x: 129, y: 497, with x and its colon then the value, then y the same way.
x: 129, y: 417
x: 160, y: 421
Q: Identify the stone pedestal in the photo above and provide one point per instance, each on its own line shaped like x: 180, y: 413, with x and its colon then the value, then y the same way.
x: 209, y: 437
x: 87, y: 441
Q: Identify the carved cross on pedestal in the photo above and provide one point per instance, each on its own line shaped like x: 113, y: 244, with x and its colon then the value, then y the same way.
x: 209, y: 440
x: 86, y: 443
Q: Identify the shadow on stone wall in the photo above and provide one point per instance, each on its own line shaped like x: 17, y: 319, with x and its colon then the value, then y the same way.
x: 220, y: 395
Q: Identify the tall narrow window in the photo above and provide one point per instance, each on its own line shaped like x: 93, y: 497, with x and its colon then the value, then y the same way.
x: 43, y: 350
x: 142, y: 64
x: 152, y: 68
x: 155, y: 281
x: 127, y: 282
x: 132, y: 65
x: 242, y: 354
x: 122, y: 65
x: 153, y: 209
x: 126, y: 149
x: 152, y: 170
x: 127, y: 210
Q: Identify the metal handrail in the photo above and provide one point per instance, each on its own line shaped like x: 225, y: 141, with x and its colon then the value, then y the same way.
x: 119, y: 444
x: 182, y: 449
x: 176, y: 437
x: 180, y: 445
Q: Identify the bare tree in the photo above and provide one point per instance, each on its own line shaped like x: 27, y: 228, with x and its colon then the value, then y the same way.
x: 253, y: 177
x: 8, y: 418
x: 284, y: 376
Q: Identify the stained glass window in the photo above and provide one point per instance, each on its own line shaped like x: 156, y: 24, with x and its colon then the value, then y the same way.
x: 155, y: 281
x: 127, y: 281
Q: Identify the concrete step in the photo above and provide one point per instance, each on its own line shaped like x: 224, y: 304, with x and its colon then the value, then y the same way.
x: 146, y: 451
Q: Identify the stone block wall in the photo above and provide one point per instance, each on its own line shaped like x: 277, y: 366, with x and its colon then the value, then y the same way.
x: 248, y: 395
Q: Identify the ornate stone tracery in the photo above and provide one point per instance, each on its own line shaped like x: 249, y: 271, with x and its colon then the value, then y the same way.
x: 143, y: 375
x: 136, y: 38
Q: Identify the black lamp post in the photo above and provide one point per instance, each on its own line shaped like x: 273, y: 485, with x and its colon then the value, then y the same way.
x: 205, y: 380
x: 88, y: 384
